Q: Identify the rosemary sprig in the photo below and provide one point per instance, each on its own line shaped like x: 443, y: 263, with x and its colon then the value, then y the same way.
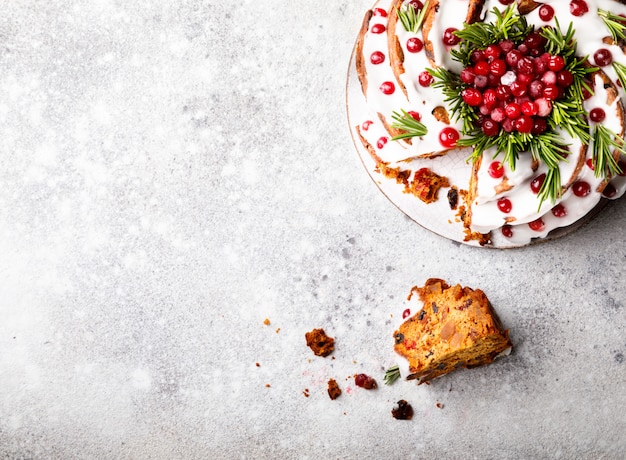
x: 409, y: 125
x: 605, y: 144
x: 391, y: 375
x: 452, y: 87
x: 620, y: 70
x: 616, y: 24
x: 508, y: 26
x: 551, y: 187
x: 412, y: 20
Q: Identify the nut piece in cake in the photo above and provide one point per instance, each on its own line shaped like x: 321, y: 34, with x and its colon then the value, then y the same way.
x: 319, y: 342
x: 457, y: 327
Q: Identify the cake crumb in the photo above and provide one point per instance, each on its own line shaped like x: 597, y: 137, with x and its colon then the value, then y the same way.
x: 404, y: 411
x: 319, y: 342
x: 306, y: 392
x: 267, y: 385
x: 333, y: 389
x: 257, y: 364
x: 277, y: 330
x: 439, y: 405
x: 266, y: 322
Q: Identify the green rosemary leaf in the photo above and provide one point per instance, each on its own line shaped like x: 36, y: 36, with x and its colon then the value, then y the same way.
x: 605, y: 144
x: 615, y: 23
x: 620, y: 70
x: 551, y: 189
x: 412, y: 20
x: 405, y: 122
x: 391, y: 375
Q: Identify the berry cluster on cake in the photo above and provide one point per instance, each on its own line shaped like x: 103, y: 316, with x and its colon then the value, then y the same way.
x: 524, y: 98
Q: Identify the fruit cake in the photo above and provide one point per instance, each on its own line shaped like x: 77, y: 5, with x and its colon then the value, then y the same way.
x: 527, y: 96
x: 456, y: 327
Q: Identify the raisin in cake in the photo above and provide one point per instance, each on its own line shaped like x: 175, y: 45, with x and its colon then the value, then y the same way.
x: 457, y: 327
x: 502, y: 202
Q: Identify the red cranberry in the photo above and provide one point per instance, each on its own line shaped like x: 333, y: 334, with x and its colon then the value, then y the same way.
x: 492, y: 52
x: 597, y: 115
x: 387, y: 87
x: 477, y: 56
x: 490, y: 128
x: 497, y: 67
x: 414, y: 45
x: 498, y: 114
x: 513, y: 57
x: 564, y: 78
x: 406, y: 313
x: 480, y: 81
x: 540, y: 125
x: 546, y: 13
x: 449, y: 38
x: 425, y: 79
x: 525, y: 65
x: 529, y: 108
x: 523, y: 124
x: 467, y: 75
x: 378, y: 29
x: 417, y: 4
x: 551, y: 92
x: 365, y: 381
x: 496, y: 170
x: 377, y: 57
x: 581, y: 188
x: 537, y: 225
x: 507, y: 231
x: 512, y: 110
x: 490, y: 98
x: 549, y: 78
x: 603, y: 57
x: 380, y: 12
x: 505, y: 205
x: 472, y: 97
x: 366, y: 125
x: 482, y: 68
x: 537, y: 182
x: 534, y: 40
x: 448, y: 137
x: 578, y: 7
x: 506, y: 2
x: 559, y: 211
x: 556, y: 63
x: 518, y: 89
x: 621, y: 164
x: 503, y: 92
x: 506, y: 45
x: 544, y: 106
x: 590, y: 164
x: 382, y: 142
x: 415, y: 115
x: 609, y: 191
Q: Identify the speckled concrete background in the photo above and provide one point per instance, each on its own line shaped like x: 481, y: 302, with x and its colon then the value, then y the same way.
x: 174, y: 173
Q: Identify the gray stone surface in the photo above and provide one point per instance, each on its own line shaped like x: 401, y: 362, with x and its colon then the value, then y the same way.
x: 174, y: 173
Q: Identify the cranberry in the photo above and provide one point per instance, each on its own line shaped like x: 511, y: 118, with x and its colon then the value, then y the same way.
x: 498, y: 114
x: 490, y: 128
x: 578, y: 7
x: 404, y: 411
x: 512, y: 110
x: 506, y: 2
x: 415, y: 115
x: 518, y: 89
x: 540, y: 126
x: 505, y: 205
x: 449, y: 38
x: 406, y: 313
x: 541, y: 66
x: 513, y: 57
x: 503, y: 92
x: 496, y: 170
x: 537, y: 225
x: 556, y: 63
x: 621, y: 164
x: 467, y: 75
x: 523, y: 124
x: 529, y: 108
x: 497, y: 67
x: 480, y: 81
x: 478, y: 56
x: 425, y: 79
x: 564, y: 78
x: 472, y: 97
x: 603, y: 57
x: 559, y: 211
x: 381, y: 142
x: 378, y: 29
x: 549, y: 78
x: 609, y: 191
x: 544, y: 106
x: 365, y: 381
x: 537, y: 183
x: 380, y: 12
x: 366, y: 125
x: 534, y: 41
x: 448, y: 137
x: 490, y: 98
x: 414, y: 45
x: 581, y: 188
x: 525, y: 65
x: 387, y: 87
x: 589, y: 164
x: 597, y: 115
x: 546, y: 13
x: 506, y: 45
x: 507, y: 231
x: 377, y: 57
x: 492, y: 52
x: 551, y: 92
x: 482, y: 68
x: 416, y: 4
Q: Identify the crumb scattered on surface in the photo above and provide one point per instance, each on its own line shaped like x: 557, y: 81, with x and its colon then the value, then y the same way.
x: 319, y: 342
x: 258, y: 365
x: 266, y: 322
x: 277, y: 330
x: 306, y: 392
x: 333, y: 389
x: 267, y: 385
x: 403, y: 411
x: 439, y: 405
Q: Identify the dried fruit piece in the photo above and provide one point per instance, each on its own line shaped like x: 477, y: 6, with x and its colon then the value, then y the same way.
x: 404, y: 411
x: 365, y: 381
x: 333, y: 389
x: 319, y: 342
